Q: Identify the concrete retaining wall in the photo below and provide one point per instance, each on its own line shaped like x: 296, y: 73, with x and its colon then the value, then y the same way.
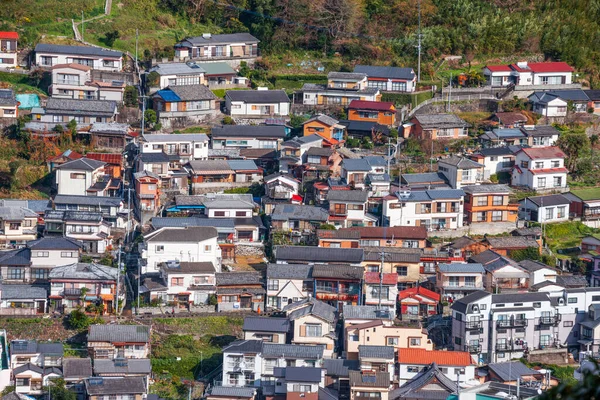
x: 549, y: 356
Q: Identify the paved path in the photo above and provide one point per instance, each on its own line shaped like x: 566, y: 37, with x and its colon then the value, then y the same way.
x: 107, y: 9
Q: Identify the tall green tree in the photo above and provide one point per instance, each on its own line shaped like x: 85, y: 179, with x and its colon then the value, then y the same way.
x: 575, y: 145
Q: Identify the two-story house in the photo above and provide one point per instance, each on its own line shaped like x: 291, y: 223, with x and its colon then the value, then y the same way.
x: 433, y: 209
x: 74, y: 81
x: 556, y: 103
x: 461, y: 171
x: 539, y: 272
x: 267, y: 329
x: 348, y: 208
x: 369, y: 385
x: 418, y: 302
x: 280, y: 188
x: 540, y: 135
x: 301, y: 221
x: 585, y: 203
x: 178, y: 74
x: 84, y: 112
x: 502, y: 273
x: 545, y: 209
x: 231, y: 46
x: 456, y: 280
x: 340, y: 90
x: 82, y: 177
x: 41, y: 354
x: 489, y: 203
x: 187, y: 244
x: 381, y: 289
x: 18, y: 225
x: 87, y: 227
x: 258, y: 104
x: 325, y: 126
x: 49, y: 55
x: 503, y: 137
x: 294, y: 152
x: 437, y: 126
x: 495, y: 160
x: 112, y: 137
x: 338, y: 285
x: 377, y: 359
x: 83, y: 284
x: 317, y: 255
x: 119, y: 341
x: 288, y: 284
x: 456, y: 365
x: 179, y: 106
x: 8, y: 49
x: 9, y: 107
x: 540, y: 169
x: 221, y: 174
x: 356, y: 171
x: 247, y: 136
x: 131, y: 387
x: 313, y: 323
x: 188, y: 146
x: 240, y: 291
x: 188, y: 282
x: 147, y: 194
x: 524, y: 73
x: 389, y: 79
x: 400, y: 236
x: 384, y: 113
x: 111, y: 208
x: 50, y: 252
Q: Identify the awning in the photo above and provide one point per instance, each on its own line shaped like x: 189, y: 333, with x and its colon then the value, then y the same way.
x: 55, y: 297
x: 184, y: 294
x: 91, y: 297
x: 510, y: 275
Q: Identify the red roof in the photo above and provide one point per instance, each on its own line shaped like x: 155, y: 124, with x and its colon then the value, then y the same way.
x: 68, y: 154
x: 9, y: 35
x: 542, y: 67
x: 536, y: 153
x: 371, y: 105
x: 297, y: 197
x: 388, y: 279
x: 106, y: 157
x: 549, y: 171
x: 499, y: 68
x: 320, y: 185
x: 397, y: 232
x: 419, y: 290
x: 440, y: 357
x: 72, y: 65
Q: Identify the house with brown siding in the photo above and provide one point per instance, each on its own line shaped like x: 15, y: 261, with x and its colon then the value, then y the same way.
x: 240, y: 291
x: 437, y: 126
x: 383, y: 113
x: 489, y: 203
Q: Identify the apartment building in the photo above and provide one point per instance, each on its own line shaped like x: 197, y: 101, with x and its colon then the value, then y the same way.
x: 540, y: 169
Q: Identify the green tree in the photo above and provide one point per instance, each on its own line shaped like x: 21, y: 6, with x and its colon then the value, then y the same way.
x: 152, y: 79
x: 574, y: 144
x: 130, y: 96
x: 367, y: 143
x: 58, y: 128
x: 36, y: 77
x: 78, y: 320
x: 110, y: 37
x: 227, y: 120
x: 327, y: 227
x: 58, y: 391
x: 150, y: 117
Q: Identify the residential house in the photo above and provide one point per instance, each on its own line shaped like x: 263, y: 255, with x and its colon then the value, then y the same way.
x: 322, y: 162
x: 369, y: 384
x: 188, y: 146
x: 489, y: 203
x: 405, y: 262
x: 540, y: 169
x: 377, y: 359
x: 294, y: 152
x: 461, y: 171
x: 456, y: 365
x: 594, y: 103
x: 75, y: 370
x: 317, y: 255
x: 87, y: 227
x: 257, y: 103
x: 84, y: 112
x: 178, y: 74
x: 240, y: 291
x: 8, y: 49
x: 133, y: 387
x: 74, y: 81
x: 187, y: 244
x: 524, y: 73
x: 325, y: 126
x: 219, y: 174
x: 83, y: 285
x: 18, y: 225
x: 590, y: 243
x: 433, y: 209
x: 502, y: 272
x: 267, y: 329
x: 456, y: 280
x: 247, y: 136
x: 355, y: 316
x: 544, y: 209
x: 179, y: 106
x: 513, y: 372
x: 418, y: 302
x: 424, y: 181
x: 168, y: 168
x: 313, y: 323
x: 513, y: 119
x: 222, y: 75
x: 280, y: 189
x: 300, y: 221
x: 399, y: 236
x: 347, y: 208
x: 30, y: 379
x: 242, y: 46
x: 430, y: 383
x: 507, y: 245
x: 40, y: 354
x: 230, y: 393
x: 555, y: 103
x: 49, y: 55
x: 384, y: 113
x: 16, y: 299
x: 585, y: 203
x: 124, y: 368
x: 464, y: 247
x: 117, y: 341
x: 381, y: 289
x: 50, y: 252
x: 112, y: 137
x: 298, y: 382
x: 355, y: 171
x: 111, y: 208
x: 361, y: 129
x: 338, y: 285
x: 15, y: 267
x: 539, y: 272
x: 9, y: 107
x: 82, y: 177
x: 147, y: 194
x: 187, y: 283
x: 341, y: 89
x: 288, y: 284
x: 500, y: 137
x: 496, y: 160
x: 437, y: 126
x: 540, y: 135
x: 389, y: 79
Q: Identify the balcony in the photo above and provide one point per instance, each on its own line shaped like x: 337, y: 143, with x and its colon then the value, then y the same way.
x: 511, y: 323
x: 474, y: 348
x: 503, y: 347
x: 73, y: 292
x: 550, y: 319
x: 473, y: 325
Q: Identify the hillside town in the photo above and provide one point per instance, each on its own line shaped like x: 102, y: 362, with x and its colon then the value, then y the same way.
x: 358, y: 267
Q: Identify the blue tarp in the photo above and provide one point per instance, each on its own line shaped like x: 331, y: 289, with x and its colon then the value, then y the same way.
x: 168, y: 95
x: 28, y: 101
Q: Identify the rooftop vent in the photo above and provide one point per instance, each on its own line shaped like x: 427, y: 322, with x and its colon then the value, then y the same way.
x: 207, y: 35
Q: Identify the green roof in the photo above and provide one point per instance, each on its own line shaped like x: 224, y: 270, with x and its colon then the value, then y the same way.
x: 587, y: 194
x: 216, y: 68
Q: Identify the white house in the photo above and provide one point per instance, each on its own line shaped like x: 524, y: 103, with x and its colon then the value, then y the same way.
x: 82, y: 177
x: 433, y: 209
x: 288, y: 283
x: 189, y: 146
x: 18, y: 225
x: 189, y: 244
x: 247, y: 137
x: 461, y: 171
x: 84, y: 112
x: 178, y: 74
x: 257, y: 103
x: 49, y: 55
x: 8, y: 49
x: 539, y: 272
x: 495, y: 159
x: 87, y: 227
x: 528, y: 74
x: 50, y: 252
x: 544, y: 209
x: 355, y: 171
x: 314, y: 323
x: 218, y: 47
x: 348, y: 208
x: 341, y: 89
x: 74, y: 81
x: 389, y: 79
x: 540, y: 169
x: 188, y: 282
x: 555, y: 103
x: 454, y: 364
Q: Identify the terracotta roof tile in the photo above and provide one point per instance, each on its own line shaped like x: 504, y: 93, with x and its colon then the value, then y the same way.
x: 388, y: 279
x: 543, y: 152
x: 420, y: 290
x: 426, y: 357
x: 106, y: 157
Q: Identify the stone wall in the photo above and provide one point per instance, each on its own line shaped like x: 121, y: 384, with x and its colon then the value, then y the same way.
x: 252, y: 250
x: 549, y: 356
x: 460, y: 106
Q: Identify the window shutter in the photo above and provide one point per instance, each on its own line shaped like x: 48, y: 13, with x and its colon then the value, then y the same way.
x: 302, y: 330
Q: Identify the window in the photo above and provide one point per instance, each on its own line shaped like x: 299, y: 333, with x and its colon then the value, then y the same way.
x: 415, y: 341
x: 498, y: 200
x: 385, y: 292
x: 392, y: 341
x: 301, y: 388
x: 365, y: 243
x: 572, y: 300
x: 555, y: 164
x: 496, y: 216
x: 207, y: 248
x: 539, y: 164
x: 413, y: 369
x: 42, y: 254
x: 482, y: 201
x: 557, y: 181
x: 22, y: 381
x: 537, y: 304
x: 549, y: 213
x: 15, y: 273
x: 219, y: 213
x: 160, y: 249
x: 399, y: 86
x: 176, y: 281
x: 524, y: 164
x: 75, y: 175
x: 40, y: 273
x: 273, y: 284
x: 541, y: 182
x: 313, y: 330
x: 372, y: 268
x: 567, y: 324
x: 560, y: 212
x: 240, y: 213
x: 469, y: 281
x: 353, y: 338
x: 402, y: 271
x: 457, y: 341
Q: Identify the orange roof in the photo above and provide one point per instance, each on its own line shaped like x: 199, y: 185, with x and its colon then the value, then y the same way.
x: 426, y: 357
x: 536, y: 153
x: 388, y: 278
x: 106, y: 157
x: 419, y: 290
x: 73, y: 65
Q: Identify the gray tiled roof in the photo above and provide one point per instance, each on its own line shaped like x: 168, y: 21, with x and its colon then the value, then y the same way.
x: 196, y: 267
x: 115, y: 386
x: 549, y: 200
x: 249, y: 131
x: 428, y: 195
x: 110, y: 127
x: 77, y: 367
x: 187, y: 234
x: 346, y: 75
x: 87, y: 200
x: 119, y: 333
x: 7, y: 97
x: 311, y: 254
x: 105, y: 108
x: 54, y: 243
x: 213, y: 166
x: 76, y: 50
x: 511, y: 370
x: 382, y: 352
x: 532, y: 265
x: 356, y: 164
x: 369, y: 379
x: 258, y: 96
x: 244, y: 346
x: 271, y: 350
x: 125, y: 366
x: 338, y: 271
x: 154, y: 158
x: 475, y: 189
x: 416, y: 388
x: 286, y: 212
x: 311, y: 306
x: 302, y: 374
x: 327, y: 120
x: 241, y: 165
x: 178, y: 222
x: 340, y: 367
x: 512, y: 242
x: 27, y: 367
x: 16, y: 213
x: 33, y: 347
x: 521, y: 298
x: 462, y: 267
x: 177, y: 69
x: 358, y: 196
x: 425, y: 177
x: 432, y: 121
x: 373, y: 71
x: 191, y: 92
x: 393, y: 254
x: 16, y: 257
x: 462, y: 242
x: 178, y: 138
x: 461, y: 162
x: 82, y: 164
x: 23, y: 292
x: 462, y: 304
x: 226, y: 38
x: 232, y: 392
x: 84, y: 271
x: 366, y: 312
x: 238, y: 278
x: 289, y: 271
x: 266, y: 324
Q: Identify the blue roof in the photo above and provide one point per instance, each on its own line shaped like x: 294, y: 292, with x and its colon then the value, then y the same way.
x: 461, y: 267
x: 168, y: 95
x: 508, y: 133
x: 242, y: 165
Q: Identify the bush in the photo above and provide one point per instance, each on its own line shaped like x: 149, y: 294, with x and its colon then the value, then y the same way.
x: 398, y: 99
x: 212, y: 300
x: 352, y: 143
x: 130, y: 97
x: 227, y: 120
x: 78, y: 320
x: 150, y: 117
x: 152, y: 78
x: 494, y: 178
x: 367, y: 143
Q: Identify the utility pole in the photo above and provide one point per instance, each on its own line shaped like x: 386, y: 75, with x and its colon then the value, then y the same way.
x: 449, y: 91
x: 381, y: 277
x: 118, y: 280
x: 419, y: 46
x: 82, y: 25
x: 389, y: 153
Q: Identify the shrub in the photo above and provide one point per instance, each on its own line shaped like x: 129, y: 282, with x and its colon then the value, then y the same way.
x: 227, y: 120
x: 130, y: 97
x: 212, y: 300
x: 78, y: 320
